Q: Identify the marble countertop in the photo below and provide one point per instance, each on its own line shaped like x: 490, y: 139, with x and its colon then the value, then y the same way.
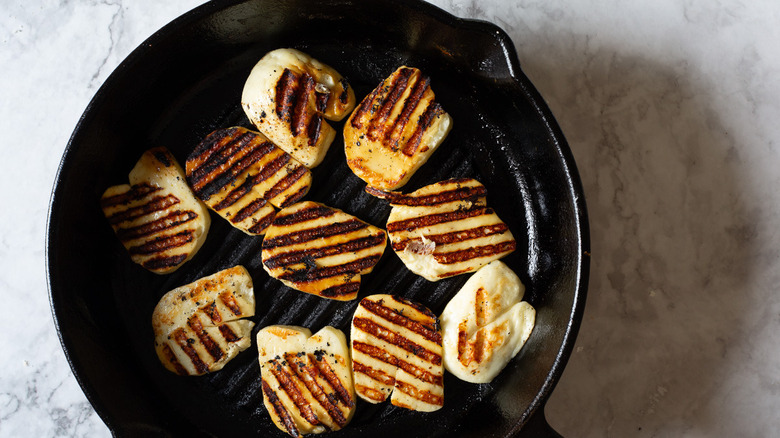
x: 671, y: 109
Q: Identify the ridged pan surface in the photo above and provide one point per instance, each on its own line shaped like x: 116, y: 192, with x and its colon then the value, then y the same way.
x: 184, y: 83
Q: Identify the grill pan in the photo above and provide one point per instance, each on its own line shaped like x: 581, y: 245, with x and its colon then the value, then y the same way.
x: 184, y: 82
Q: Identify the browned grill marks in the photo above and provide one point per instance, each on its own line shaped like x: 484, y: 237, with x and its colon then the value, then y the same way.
x: 391, y: 315
x: 437, y: 218
x: 172, y: 220
x: 212, y: 312
x: 157, y: 203
x: 365, y: 105
x: 383, y: 356
x: 341, y: 290
x: 281, y: 372
x: 293, y: 257
x: 313, y: 233
x: 333, y: 380
x: 475, y: 252
x: 249, y: 210
x: 397, y: 86
x: 300, y: 112
x: 285, y: 94
x: 399, y: 341
x: 184, y: 342
x: 164, y: 262
x: 262, y: 224
x: 455, y: 236
x: 304, y: 215
x: 311, y: 275
x: 219, y: 178
x: 295, y: 197
x: 211, y: 347
x: 309, y: 375
x: 171, y: 358
x: 228, y: 334
x: 163, y: 243
x: 463, y: 344
x: 230, y: 302
x: 231, y: 156
x: 424, y: 396
x: 410, y: 104
x: 375, y: 374
x: 471, y: 193
x: 285, y: 183
x: 136, y: 192
x: 280, y: 410
x: 423, y: 123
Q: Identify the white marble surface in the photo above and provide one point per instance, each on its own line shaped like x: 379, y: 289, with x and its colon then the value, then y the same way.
x: 671, y: 108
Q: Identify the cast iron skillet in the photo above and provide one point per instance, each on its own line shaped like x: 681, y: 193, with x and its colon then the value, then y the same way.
x: 186, y: 81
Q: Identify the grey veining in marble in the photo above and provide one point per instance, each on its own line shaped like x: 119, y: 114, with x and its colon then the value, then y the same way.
x: 671, y: 109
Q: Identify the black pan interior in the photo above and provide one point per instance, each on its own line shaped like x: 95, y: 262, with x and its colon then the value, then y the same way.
x: 186, y: 81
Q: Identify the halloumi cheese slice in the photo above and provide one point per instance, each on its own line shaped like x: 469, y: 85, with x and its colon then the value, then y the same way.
x: 397, y: 352
x: 242, y: 176
x: 156, y: 217
x: 201, y: 326
x: 445, y: 229
x: 486, y: 324
x: 321, y: 250
x: 288, y: 94
x: 306, y: 379
x: 395, y: 129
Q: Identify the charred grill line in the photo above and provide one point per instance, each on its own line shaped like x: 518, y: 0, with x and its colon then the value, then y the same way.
x: 391, y: 337
x: 313, y: 233
x: 280, y: 410
x: 309, y: 375
x: 209, y: 344
x: 158, y: 203
x: 382, y: 355
x: 308, y: 214
x: 170, y: 221
x: 250, y: 209
x: 164, y: 262
x: 312, y: 275
x: 328, y: 374
x: 228, y: 178
x: 423, y: 123
x: 363, y: 108
x: 391, y: 315
x: 293, y: 257
x: 300, y: 111
x: 424, y: 396
x: 421, y: 85
x: 230, y: 302
x: 455, y: 236
x: 437, y: 218
x: 163, y: 243
x: 261, y: 224
x: 228, y: 334
x: 171, y: 358
x: 396, y: 88
x: 220, y: 168
x: 136, y: 192
x: 287, y: 384
x: 468, y: 193
x: 285, y: 94
x: 286, y: 182
x: 183, y: 341
x: 341, y: 290
x: 449, y: 258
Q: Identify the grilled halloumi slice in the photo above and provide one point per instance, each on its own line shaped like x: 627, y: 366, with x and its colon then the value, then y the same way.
x: 395, y: 129
x: 445, y: 229
x: 306, y: 380
x: 321, y: 250
x: 397, y: 349
x: 486, y: 324
x: 242, y: 176
x: 287, y: 95
x: 199, y: 327
x: 156, y: 216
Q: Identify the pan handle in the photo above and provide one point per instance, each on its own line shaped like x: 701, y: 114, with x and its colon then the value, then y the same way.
x: 538, y: 427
